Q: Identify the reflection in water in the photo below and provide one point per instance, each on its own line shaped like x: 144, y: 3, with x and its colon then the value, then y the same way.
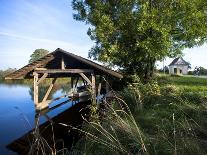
x: 17, y: 108
x: 50, y: 136
x: 42, y: 90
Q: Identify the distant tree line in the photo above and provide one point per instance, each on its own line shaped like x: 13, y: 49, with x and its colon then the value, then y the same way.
x: 199, y: 71
x: 3, y: 73
x: 37, y: 54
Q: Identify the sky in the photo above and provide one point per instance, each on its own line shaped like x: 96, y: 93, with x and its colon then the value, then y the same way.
x: 26, y: 25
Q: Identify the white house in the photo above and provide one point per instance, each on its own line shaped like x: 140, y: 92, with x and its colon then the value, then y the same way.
x: 178, y: 66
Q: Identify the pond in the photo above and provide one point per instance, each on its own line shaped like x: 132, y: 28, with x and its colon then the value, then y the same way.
x: 17, y: 118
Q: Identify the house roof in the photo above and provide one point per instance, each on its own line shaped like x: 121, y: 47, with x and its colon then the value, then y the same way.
x: 53, y: 61
x: 179, y: 61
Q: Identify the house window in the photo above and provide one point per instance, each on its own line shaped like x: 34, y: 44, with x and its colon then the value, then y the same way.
x: 180, y: 71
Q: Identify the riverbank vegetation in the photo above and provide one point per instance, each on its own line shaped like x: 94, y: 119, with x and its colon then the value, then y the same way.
x: 153, y: 114
x: 165, y: 116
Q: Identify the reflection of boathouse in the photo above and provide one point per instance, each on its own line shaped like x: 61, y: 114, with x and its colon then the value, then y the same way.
x: 49, y: 136
x: 63, y: 64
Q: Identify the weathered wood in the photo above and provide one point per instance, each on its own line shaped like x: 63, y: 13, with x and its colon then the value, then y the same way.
x: 49, y: 90
x: 71, y: 82
x: 36, y: 69
x: 65, y: 71
x: 35, y: 89
x: 107, y: 84
x: 42, y: 78
x: 93, y: 85
x: 44, y: 104
x: 76, y: 83
x: 86, y: 78
x: 99, y: 89
x: 62, y: 64
x: 84, y: 82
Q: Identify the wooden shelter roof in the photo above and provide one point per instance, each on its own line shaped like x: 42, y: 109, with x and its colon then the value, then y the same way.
x: 53, y: 60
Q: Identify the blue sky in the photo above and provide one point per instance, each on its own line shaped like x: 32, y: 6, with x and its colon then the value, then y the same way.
x: 26, y: 25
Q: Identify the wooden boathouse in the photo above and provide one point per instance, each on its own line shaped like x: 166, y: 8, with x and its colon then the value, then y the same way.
x: 60, y: 64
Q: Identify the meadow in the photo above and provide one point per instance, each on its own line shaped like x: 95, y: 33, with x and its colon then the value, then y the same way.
x: 166, y: 116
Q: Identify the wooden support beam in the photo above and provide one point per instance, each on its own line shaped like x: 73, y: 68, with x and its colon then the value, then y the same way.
x: 84, y: 82
x: 65, y: 71
x: 86, y: 78
x: 62, y: 64
x: 76, y: 83
x: 42, y: 78
x: 36, y: 89
x: 99, y: 89
x: 49, y: 90
x: 93, y: 85
x: 37, y: 69
x: 107, y: 84
x: 71, y: 82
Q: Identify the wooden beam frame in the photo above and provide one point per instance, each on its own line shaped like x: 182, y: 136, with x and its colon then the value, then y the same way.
x: 49, y: 90
x: 85, y: 78
x: 42, y: 78
x: 52, y: 71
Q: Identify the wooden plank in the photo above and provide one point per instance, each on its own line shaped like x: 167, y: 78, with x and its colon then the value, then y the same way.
x: 42, y: 78
x: 37, y: 69
x: 65, y: 71
x: 49, y: 90
x: 85, y: 78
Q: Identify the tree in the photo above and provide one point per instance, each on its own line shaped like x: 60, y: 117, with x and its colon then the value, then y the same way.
x: 134, y: 34
x: 4, y: 73
x: 38, y: 53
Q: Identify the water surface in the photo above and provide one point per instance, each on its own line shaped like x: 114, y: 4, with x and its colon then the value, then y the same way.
x: 17, y: 113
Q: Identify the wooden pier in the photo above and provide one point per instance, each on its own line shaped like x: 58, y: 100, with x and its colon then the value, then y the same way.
x: 59, y: 64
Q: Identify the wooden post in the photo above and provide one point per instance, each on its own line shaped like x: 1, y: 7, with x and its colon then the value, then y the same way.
x: 62, y: 63
x: 71, y: 82
x: 36, y: 89
x: 76, y: 83
x: 99, y: 86
x: 93, y: 85
x: 107, y: 84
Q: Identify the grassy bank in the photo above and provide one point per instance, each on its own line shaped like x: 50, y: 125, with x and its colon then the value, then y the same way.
x: 165, y: 116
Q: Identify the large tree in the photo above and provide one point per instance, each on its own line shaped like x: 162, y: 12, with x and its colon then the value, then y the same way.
x: 133, y: 34
x: 38, y: 53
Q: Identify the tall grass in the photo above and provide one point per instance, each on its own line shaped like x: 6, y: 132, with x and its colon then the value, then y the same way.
x: 148, y: 119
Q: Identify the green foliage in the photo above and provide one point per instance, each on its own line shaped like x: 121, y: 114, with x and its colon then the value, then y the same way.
x: 133, y: 34
x: 170, y: 120
x: 3, y: 73
x: 202, y: 71
x: 38, y: 53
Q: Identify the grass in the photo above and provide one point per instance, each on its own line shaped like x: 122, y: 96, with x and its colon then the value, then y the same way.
x: 166, y: 116
x: 187, y: 83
